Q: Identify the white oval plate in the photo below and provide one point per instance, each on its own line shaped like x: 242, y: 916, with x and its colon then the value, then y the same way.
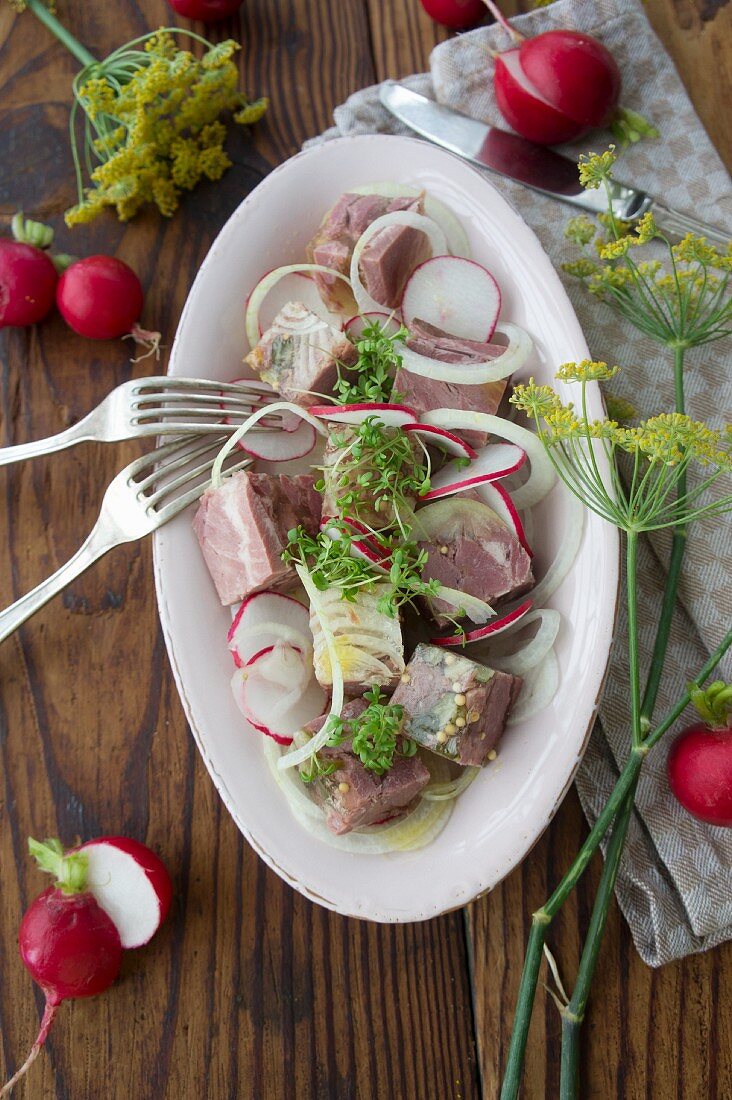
x: 498, y: 819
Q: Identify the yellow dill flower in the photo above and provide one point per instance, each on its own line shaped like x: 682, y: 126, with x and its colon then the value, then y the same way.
x: 587, y: 370
x: 696, y: 250
x: 613, y: 250
x: 645, y: 229
x: 580, y: 269
x: 595, y: 168
x: 580, y: 230
x: 535, y: 400
x: 671, y: 438
x: 562, y: 423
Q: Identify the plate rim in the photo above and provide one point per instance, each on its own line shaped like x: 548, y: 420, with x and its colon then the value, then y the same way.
x: 612, y: 534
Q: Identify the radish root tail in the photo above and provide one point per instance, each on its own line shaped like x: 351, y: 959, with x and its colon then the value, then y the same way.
x: 49, y: 1016
x: 501, y: 18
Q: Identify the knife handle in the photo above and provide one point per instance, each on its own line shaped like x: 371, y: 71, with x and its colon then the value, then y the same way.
x: 677, y: 225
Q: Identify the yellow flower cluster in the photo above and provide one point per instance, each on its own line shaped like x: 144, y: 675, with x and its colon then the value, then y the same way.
x: 156, y: 115
x: 671, y: 438
x: 588, y: 370
x: 595, y: 168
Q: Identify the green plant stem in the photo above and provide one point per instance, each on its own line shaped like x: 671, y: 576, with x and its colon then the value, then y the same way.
x: 574, y: 1014
x: 49, y: 20
x: 542, y: 918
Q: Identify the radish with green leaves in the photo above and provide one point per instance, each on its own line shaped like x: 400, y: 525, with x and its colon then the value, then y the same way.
x: 109, y: 894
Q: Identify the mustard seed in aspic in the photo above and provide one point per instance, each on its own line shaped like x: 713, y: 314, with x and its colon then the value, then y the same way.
x: 460, y: 700
x: 492, y: 754
x: 344, y: 788
x: 459, y: 722
x: 442, y: 737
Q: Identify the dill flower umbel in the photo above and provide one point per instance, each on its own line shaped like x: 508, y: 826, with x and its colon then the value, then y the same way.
x: 153, y: 120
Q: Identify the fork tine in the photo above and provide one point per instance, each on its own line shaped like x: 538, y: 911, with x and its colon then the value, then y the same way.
x: 187, y: 475
x: 180, y: 453
x: 199, y: 428
x: 168, y: 511
x: 246, y: 400
x: 200, y: 385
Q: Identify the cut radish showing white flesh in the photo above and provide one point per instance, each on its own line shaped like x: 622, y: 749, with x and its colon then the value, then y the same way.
x: 495, y: 461
x: 455, y: 295
x: 497, y: 498
x: 264, y: 619
x: 541, y: 477
x: 277, y: 692
x: 394, y: 416
x: 280, y: 446
x: 474, y: 374
x: 286, y: 421
x: 493, y: 628
x: 386, y: 321
x: 270, y: 280
x: 438, y: 243
x: 241, y: 431
x: 457, y: 238
x: 131, y: 885
x: 298, y: 286
x: 439, y: 437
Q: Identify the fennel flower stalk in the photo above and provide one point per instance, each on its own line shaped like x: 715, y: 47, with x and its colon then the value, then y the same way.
x: 152, y: 119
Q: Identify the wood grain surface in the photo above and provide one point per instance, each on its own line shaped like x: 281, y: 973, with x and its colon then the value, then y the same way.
x: 249, y: 990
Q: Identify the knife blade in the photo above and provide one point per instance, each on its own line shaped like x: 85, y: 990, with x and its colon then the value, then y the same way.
x: 535, y: 166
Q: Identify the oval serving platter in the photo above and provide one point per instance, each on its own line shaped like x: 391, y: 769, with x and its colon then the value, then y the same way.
x: 500, y: 816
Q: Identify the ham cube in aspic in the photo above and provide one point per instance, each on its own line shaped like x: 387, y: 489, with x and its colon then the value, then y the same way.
x: 454, y: 706
x: 299, y: 355
x: 242, y: 528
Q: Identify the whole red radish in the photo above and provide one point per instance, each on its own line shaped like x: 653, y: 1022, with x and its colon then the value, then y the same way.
x: 555, y: 86
x: 68, y: 944
x: 100, y: 297
x: 208, y: 11
x: 700, y: 761
x: 458, y: 15
x: 28, y: 276
x: 131, y: 884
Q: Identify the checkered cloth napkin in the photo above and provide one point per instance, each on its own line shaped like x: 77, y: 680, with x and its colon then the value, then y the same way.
x: 674, y: 880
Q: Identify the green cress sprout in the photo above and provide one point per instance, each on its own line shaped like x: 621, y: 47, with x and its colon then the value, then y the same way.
x: 151, y: 119
x: 372, y: 376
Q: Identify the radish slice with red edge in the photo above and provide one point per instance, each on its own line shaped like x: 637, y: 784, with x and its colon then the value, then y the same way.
x: 393, y: 416
x: 437, y: 239
x: 494, y: 461
x: 387, y: 322
x: 482, y: 632
x: 258, y: 692
x: 286, y: 422
x: 456, y: 295
x: 541, y: 475
x: 264, y: 619
x: 248, y: 424
x: 474, y: 374
x: 497, y: 498
x: 131, y: 884
x: 280, y: 446
x: 440, y: 437
x: 270, y: 280
x: 366, y: 548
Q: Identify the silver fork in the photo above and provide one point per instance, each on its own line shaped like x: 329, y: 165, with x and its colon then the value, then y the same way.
x: 157, y: 406
x: 141, y: 498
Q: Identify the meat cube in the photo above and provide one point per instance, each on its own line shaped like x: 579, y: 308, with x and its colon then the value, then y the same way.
x: 477, y: 554
x: 299, y: 354
x: 368, y: 641
x: 369, y: 797
x: 242, y: 529
x: 332, y: 245
x: 364, y: 506
x: 425, y: 394
x: 453, y: 706
x: 389, y: 258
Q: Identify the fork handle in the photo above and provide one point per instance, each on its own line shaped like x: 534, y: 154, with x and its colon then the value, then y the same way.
x: 77, y: 433
x: 96, y: 545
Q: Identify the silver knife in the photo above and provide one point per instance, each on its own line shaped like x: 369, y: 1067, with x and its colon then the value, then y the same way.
x: 533, y: 165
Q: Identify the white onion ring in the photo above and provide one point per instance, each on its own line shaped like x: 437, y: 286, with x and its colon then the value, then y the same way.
x: 449, y: 223
x: 243, y: 428
x: 265, y: 284
x: 438, y: 243
x: 541, y: 477
x: 539, y: 688
x: 531, y: 653
x: 476, y: 609
x: 572, y: 529
x: 474, y: 374
x: 445, y: 792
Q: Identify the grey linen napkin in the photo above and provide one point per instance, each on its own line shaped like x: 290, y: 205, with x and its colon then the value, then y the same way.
x: 674, y: 885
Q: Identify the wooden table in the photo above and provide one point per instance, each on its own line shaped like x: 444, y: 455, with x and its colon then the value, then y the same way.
x: 249, y: 990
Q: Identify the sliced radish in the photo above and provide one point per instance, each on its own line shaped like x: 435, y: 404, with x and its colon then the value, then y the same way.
x: 355, y: 325
x: 494, y: 461
x: 277, y: 692
x: 482, y: 632
x: 264, y: 619
x: 131, y: 884
x: 541, y: 477
x: 280, y: 446
x: 394, y: 416
x: 267, y: 283
x: 439, y: 437
x: 286, y: 422
x: 298, y: 286
x: 366, y: 548
x: 497, y: 498
x: 279, y: 452
x: 437, y: 239
x: 474, y: 374
x: 456, y: 295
